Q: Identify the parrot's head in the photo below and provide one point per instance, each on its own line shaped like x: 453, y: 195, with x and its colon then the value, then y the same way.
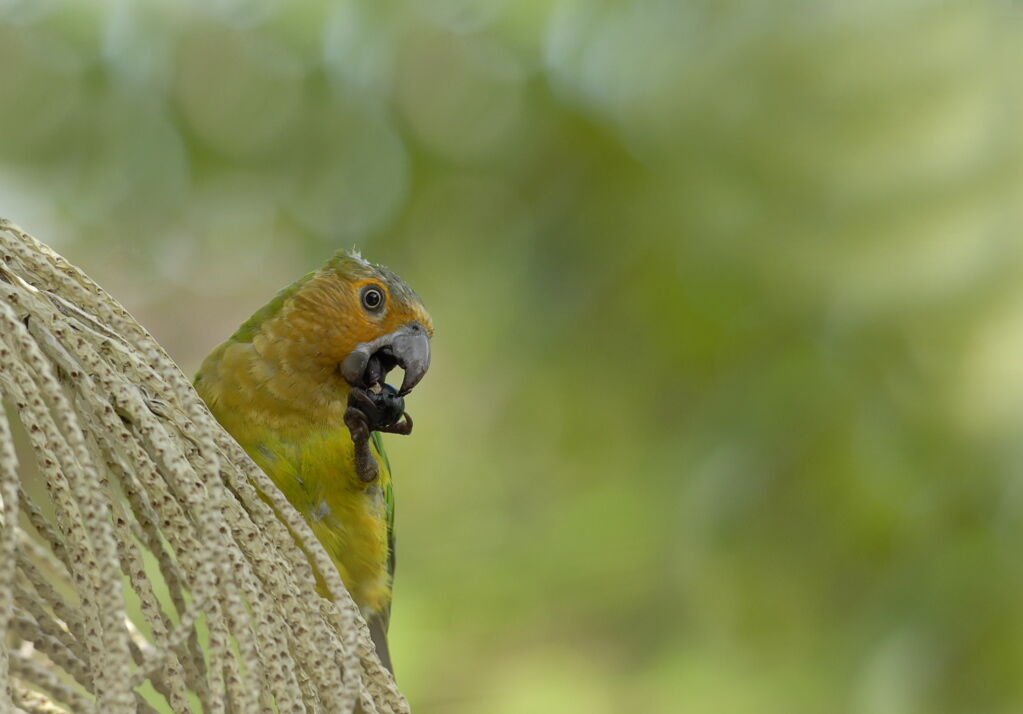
x: 371, y: 322
x: 341, y: 327
x: 328, y: 339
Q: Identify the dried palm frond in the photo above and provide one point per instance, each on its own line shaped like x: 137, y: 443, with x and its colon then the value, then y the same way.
x: 146, y: 564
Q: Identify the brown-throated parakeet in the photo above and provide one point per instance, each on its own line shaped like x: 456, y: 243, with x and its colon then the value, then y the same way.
x: 300, y: 385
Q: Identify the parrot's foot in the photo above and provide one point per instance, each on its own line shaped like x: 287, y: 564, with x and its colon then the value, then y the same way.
x: 379, y: 408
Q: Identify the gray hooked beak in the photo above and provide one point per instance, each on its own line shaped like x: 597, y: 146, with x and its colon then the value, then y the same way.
x: 407, y: 347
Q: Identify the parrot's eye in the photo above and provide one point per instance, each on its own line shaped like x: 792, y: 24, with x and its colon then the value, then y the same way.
x: 372, y: 298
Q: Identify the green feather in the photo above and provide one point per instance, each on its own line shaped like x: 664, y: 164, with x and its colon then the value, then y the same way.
x: 250, y: 327
x: 378, y: 442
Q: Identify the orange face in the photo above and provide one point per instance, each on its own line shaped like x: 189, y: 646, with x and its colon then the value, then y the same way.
x: 379, y: 311
x: 353, y: 312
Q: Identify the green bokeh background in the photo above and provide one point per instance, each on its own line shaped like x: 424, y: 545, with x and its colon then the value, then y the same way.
x: 726, y: 406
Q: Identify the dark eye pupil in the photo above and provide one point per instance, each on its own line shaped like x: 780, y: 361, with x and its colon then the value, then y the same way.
x: 372, y: 298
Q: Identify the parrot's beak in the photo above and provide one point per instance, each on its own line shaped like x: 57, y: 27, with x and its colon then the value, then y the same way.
x: 407, y: 347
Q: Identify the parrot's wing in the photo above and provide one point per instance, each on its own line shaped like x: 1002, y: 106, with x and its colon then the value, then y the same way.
x: 379, y: 621
x: 378, y: 442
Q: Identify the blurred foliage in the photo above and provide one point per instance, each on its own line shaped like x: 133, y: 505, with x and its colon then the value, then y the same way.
x: 727, y: 395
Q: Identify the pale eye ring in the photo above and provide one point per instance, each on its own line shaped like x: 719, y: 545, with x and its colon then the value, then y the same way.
x: 372, y: 298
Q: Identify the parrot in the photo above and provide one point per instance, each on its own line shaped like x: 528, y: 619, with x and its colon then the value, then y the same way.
x: 301, y: 386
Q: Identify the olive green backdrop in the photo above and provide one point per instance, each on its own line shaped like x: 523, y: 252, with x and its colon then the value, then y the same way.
x: 727, y: 400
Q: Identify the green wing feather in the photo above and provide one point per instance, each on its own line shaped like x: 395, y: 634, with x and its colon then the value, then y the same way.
x: 378, y: 622
x: 378, y: 442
